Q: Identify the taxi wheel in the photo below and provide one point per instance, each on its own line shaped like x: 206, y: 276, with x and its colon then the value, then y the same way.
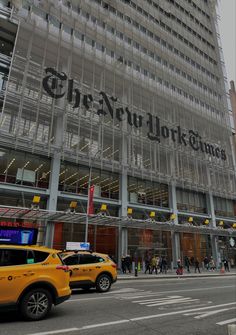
x: 103, y: 283
x: 36, y: 304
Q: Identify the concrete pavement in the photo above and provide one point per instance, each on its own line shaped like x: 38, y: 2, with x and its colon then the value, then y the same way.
x: 172, y: 274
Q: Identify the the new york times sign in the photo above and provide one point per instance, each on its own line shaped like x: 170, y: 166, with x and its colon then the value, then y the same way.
x: 55, y: 83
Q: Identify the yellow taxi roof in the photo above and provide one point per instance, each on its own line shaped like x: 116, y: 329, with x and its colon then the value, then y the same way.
x: 34, y: 247
x: 67, y: 253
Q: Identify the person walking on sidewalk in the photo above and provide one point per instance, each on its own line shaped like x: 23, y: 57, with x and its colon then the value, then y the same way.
x: 226, y: 264
x: 197, y: 266
x: 179, y: 270
x: 128, y: 263
x: 206, y: 263
x: 123, y: 264
x: 154, y: 264
x: 187, y: 263
x: 164, y: 265
x: 147, y: 266
x: 212, y: 264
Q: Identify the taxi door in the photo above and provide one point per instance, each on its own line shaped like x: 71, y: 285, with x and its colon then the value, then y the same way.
x: 14, y: 273
x: 89, y: 268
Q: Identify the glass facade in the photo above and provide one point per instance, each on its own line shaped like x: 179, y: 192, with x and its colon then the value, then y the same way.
x: 145, y: 243
x: 22, y: 168
x: 121, y: 104
x: 74, y: 179
x: 191, y: 201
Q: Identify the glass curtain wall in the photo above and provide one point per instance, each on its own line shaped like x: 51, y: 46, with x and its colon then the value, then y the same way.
x: 75, y: 178
x: 191, y: 201
x: 22, y: 168
x: 96, y: 57
x: 148, y: 192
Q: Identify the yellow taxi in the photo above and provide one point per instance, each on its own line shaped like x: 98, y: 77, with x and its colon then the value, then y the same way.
x: 90, y: 269
x: 32, y: 279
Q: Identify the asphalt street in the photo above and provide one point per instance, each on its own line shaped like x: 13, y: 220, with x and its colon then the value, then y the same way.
x: 178, y: 306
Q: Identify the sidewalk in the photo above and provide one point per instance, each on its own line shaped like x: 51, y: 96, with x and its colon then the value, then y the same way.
x: 172, y: 274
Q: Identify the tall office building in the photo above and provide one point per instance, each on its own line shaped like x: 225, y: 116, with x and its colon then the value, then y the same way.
x: 128, y: 96
x: 232, y: 95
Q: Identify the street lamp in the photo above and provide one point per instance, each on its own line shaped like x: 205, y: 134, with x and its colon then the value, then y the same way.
x: 88, y: 197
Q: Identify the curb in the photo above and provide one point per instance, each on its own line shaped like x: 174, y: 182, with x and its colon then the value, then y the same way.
x: 120, y: 278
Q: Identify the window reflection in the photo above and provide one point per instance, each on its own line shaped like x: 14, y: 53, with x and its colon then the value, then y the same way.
x: 148, y: 192
x: 191, y: 201
x: 224, y: 207
x: 75, y: 179
x: 24, y: 169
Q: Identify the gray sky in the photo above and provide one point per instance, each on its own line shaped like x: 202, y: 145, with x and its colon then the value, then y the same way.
x: 227, y: 25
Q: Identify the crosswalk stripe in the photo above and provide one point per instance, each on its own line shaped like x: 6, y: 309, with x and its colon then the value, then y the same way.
x: 125, y: 290
x: 158, y: 299
x: 147, y: 317
x: 151, y: 294
x: 226, y: 322
x: 174, y: 301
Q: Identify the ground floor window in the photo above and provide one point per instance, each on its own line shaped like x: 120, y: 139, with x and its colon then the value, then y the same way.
x: 102, y: 239
x: 195, y: 246
x: 146, y: 243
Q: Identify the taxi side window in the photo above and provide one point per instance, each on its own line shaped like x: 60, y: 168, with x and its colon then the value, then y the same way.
x: 40, y: 256
x: 9, y: 257
x: 90, y: 259
x: 71, y: 260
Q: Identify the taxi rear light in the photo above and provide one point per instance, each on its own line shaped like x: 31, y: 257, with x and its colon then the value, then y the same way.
x: 114, y: 266
x: 63, y: 267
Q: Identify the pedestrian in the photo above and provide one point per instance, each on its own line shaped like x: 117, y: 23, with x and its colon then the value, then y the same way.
x: 179, y: 270
x: 212, y: 265
x: 226, y: 264
x: 164, y: 265
x: 206, y: 263
x: 154, y: 264
x: 147, y: 266
x: 159, y: 264
x: 197, y: 266
x: 128, y: 263
x: 123, y: 264
x: 187, y: 263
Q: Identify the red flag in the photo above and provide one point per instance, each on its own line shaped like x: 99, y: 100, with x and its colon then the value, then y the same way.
x: 90, y: 207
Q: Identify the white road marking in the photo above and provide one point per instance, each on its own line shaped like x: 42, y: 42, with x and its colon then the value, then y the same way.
x: 86, y: 299
x: 105, y: 324
x: 157, y: 299
x: 205, y: 315
x: 180, y: 312
x: 178, y: 291
x: 226, y: 322
x: 125, y: 290
x: 67, y: 330
x: 134, y: 319
x: 174, y: 301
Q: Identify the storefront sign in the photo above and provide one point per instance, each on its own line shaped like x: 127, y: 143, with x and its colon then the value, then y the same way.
x: 20, y: 236
x: 17, y: 224
x: 58, y: 85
